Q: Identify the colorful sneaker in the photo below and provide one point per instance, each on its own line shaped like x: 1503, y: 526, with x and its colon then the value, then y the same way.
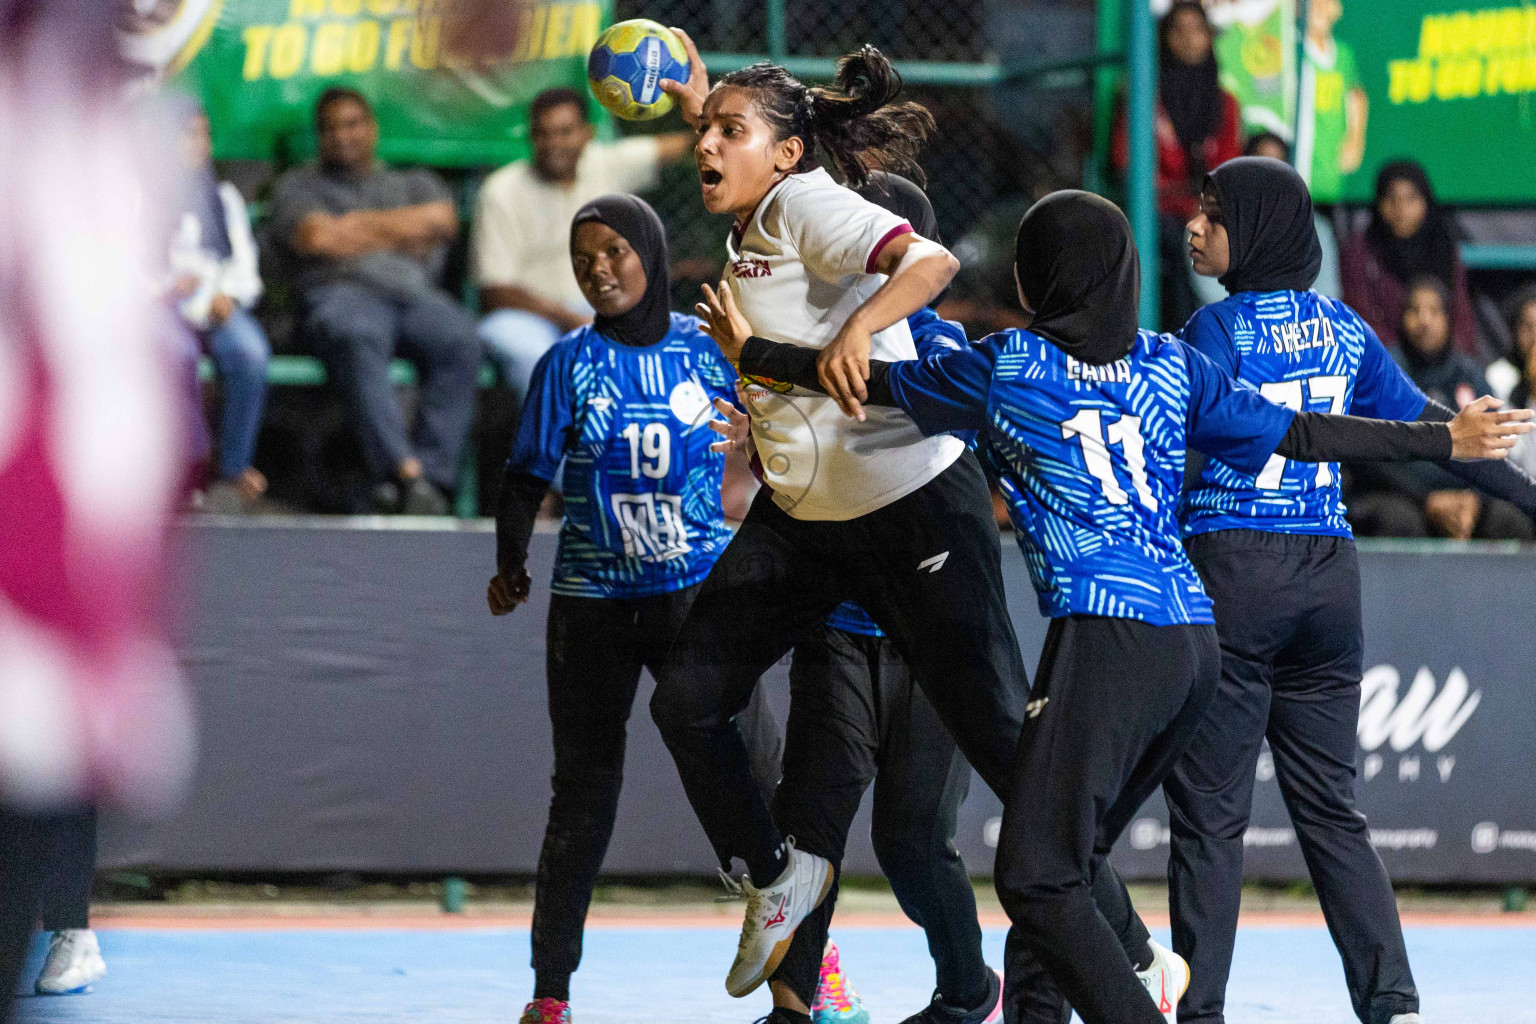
x: 836, y: 1001
x: 74, y: 963
x: 1165, y: 980
x: 989, y: 1012
x: 546, y: 1011
x: 773, y: 914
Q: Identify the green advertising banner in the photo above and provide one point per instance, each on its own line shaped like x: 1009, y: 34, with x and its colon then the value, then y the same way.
x: 1448, y: 83
x: 259, y: 65
x: 1452, y: 85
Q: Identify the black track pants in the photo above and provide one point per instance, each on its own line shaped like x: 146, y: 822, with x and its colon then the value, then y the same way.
x: 595, y: 649
x: 856, y: 717
x: 1288, y: 614
x: 926, y: 567
x: 1115, y: 702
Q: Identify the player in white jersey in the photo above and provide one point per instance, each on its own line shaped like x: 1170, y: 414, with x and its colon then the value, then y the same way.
x: 871, y: 511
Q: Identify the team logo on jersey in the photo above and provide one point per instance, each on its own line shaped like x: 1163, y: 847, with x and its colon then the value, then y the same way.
x: 776, y: 386
x: 653, y: 526
x: 689, y: 403
x: 600, y: 402
x: 748, y: 266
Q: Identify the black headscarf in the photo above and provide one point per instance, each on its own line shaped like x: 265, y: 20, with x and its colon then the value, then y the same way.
x: 1078, y: 267
x: 634, y: 220
x: 1431, y: 250
x: 905, y: 199
x: 1190, y: 93
x: 1267, y: 211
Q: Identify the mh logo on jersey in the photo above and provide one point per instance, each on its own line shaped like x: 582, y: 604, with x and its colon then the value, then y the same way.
x: 653, y: 526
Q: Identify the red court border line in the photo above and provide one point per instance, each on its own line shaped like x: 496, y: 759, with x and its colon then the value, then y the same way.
x: 106, y: 921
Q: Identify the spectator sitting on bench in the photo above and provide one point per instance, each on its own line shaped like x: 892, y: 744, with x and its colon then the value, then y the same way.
x: 522, y: 228
x: 215, y: 282
x: 368, y: 244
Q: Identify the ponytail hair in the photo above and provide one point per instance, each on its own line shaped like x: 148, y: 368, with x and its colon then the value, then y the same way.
x: 855, y: 122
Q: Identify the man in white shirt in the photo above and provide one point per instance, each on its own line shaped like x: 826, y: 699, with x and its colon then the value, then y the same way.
x: 521, y: 247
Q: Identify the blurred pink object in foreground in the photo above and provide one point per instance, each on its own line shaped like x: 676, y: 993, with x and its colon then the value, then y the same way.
x: 91, y: 446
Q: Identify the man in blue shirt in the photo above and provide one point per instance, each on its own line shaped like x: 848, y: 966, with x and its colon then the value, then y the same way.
x: 1087, y: 420
x: 1278, y: 560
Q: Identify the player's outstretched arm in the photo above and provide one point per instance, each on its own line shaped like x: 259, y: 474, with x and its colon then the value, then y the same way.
x: 943, y: 393
x: 1243, y: 429
x: 1499, y: 478
x: 1480, y: 431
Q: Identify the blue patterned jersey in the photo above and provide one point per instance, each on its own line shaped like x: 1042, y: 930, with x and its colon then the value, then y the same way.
x: 642, y: 488
x: 1091, y: 459
x: 1304, y: 351
x: 931, y: 334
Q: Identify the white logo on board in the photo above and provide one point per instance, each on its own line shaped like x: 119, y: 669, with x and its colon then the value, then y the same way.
x: 1426, y: 716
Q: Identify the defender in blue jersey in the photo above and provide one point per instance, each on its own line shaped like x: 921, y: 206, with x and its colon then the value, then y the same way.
x: 1088, y: 420
x: 1278, y: 560
x: 626, y: 404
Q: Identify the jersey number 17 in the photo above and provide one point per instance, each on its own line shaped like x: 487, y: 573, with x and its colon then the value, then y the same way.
x: 1296, y: 394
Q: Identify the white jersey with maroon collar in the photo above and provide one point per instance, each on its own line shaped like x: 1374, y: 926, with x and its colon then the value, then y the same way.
x: 799, y: 268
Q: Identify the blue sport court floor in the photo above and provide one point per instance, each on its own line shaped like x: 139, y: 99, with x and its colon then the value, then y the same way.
x: 1467, y: 972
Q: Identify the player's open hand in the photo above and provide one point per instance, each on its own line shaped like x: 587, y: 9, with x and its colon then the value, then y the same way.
x: 1483, y: 431
x: 735, y: 428
x: 503, y: 596
x: 723, y: 321
x: 843, y: 367
x: 689, y: 95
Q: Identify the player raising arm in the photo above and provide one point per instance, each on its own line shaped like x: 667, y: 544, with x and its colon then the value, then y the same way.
x: 1087, y: 420
x: 874, y: 511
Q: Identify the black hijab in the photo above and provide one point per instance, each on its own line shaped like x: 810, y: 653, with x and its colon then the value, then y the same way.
x: 634, y: 221
x: 1190, y: 93
x: 905, y: 199
x: 1272, y: 237
x: 1431, y: 250
x: 1078, y: 267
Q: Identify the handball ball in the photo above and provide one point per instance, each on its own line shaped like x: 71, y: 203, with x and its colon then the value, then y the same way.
x: 627, y: 65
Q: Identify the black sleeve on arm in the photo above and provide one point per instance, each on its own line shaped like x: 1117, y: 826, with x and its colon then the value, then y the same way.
x: 517, y: 506
x: 793, y: 364
x: 1319, y: 437
x: 1497, y: 477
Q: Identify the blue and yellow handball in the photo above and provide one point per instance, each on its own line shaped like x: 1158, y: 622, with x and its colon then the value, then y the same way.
x: 627, y: 65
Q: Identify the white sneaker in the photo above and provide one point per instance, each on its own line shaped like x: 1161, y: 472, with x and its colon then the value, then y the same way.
x: 773, y: 914
x: 1165, y: 980
x: 74, y: 963
x: 1407, y: 1018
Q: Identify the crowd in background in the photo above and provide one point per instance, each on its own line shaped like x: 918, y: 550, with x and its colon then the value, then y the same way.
x: 361, y: 250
